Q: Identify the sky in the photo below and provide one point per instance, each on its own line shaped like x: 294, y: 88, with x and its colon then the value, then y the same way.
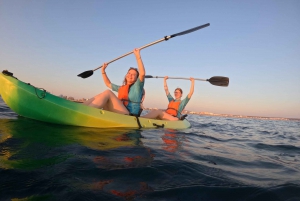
x: 254, y: 43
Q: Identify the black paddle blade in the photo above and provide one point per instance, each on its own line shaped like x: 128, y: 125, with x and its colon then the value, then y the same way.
x: 86, y: 74
x: 148, y: 76
x: 219, y: 81
x: 190, y: 30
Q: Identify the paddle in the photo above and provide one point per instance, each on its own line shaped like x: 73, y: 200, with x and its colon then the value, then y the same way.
x: 91, y: 72
x: 216, y: 80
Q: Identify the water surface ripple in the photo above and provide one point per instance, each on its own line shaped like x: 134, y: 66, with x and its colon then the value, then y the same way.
x: 216, y: 159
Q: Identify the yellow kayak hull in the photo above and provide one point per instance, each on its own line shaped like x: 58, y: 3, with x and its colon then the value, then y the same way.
x: 31, y: 102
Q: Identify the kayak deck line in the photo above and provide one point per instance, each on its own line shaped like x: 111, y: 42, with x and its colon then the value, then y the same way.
x: 24, y: 99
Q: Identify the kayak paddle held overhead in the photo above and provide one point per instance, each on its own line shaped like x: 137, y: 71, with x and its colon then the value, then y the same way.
x: 216, y: 80
x: 89, y: 73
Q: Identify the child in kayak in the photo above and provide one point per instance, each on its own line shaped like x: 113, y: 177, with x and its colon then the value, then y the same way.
x: 175, y: 107
x: 130, y: 93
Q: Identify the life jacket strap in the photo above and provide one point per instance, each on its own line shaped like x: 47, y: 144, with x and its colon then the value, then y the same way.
x: 125, y: 100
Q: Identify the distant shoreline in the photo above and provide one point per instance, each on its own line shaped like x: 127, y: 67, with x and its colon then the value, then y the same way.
x: 231, y: 115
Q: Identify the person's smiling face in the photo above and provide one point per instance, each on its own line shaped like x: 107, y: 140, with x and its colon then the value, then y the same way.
x: 131, y: 76
x: 177, y: 94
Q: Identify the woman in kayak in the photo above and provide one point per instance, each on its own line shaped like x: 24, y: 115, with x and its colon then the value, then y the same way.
x: 129, y: 94
x: 175, y: 107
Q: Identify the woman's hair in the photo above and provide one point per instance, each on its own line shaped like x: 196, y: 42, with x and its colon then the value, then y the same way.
x: 131, y: 68
x: 178, y: 90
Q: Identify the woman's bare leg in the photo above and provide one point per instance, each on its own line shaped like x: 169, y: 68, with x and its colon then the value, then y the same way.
x: 153, y: 114
x: 108, y: 101
x: 166, y: 116
x: 158, y: 114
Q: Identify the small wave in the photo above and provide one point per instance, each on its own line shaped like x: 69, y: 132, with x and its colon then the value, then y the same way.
x: 278, y: 148
x: 233, y: 193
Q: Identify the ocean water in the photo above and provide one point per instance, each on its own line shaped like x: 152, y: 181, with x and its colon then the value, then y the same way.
x: 216, y: 159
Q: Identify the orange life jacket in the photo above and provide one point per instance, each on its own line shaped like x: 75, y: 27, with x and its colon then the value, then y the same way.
x: 173, y: 108
x: 123, y: 94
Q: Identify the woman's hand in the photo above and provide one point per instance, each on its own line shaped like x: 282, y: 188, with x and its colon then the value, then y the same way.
x: 166, y: 77
x: 104, y: 67
x: 192, y: 79
x: 136, y: 52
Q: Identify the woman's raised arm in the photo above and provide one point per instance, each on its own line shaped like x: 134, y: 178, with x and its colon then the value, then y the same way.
x: 165, y: 85
x: 104, y: 76
x: 192, y: 88
x: 139, y: 61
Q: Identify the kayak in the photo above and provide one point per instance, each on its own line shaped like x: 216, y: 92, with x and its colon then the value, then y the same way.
x: 36, y: 103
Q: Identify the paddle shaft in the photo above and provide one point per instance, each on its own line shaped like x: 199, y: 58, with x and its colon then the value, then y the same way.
x: 215, y: 80
x: 158, y: 41
x: 180, y: 78
x: 124, y: 55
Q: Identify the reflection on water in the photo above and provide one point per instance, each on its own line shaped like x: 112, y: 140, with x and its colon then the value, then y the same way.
x: 24, y: 141
x: 65, y: 154
x: 172, y: 142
